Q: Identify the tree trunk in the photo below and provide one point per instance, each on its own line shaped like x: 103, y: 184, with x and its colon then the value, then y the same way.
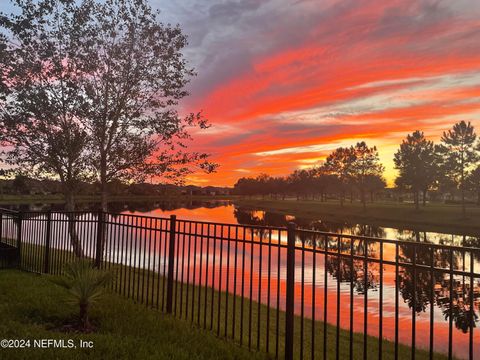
x: 364, y: 201
x: 103, y: 182
x: 424, y: 197
x: 415, y: 199
x: 84, y: 322
x: 72, y: 231
x: 462, y: 188
x: 103, y: 199
x: 478, y: 196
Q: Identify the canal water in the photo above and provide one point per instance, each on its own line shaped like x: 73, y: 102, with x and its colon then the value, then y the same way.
x: 225, y: 212
x: 412, y: 288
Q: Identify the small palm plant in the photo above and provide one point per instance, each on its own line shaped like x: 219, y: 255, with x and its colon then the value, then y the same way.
x: 86, y: 285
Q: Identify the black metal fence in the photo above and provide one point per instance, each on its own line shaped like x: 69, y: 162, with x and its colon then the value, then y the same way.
x: 289, y: 292
x: 9, y: 246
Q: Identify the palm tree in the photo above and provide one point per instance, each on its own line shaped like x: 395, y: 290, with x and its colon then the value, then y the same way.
x: 85, y: 285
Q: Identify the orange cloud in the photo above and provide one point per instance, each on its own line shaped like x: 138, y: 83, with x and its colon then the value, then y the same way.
x: 374, y: 72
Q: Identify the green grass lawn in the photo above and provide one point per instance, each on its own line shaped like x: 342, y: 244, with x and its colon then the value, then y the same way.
x: 433, y: 217
x: 41, y: 307
x: 31, y: 306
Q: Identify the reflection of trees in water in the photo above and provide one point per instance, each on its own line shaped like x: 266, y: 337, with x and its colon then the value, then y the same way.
x: 189, y: 204
x: 247, y: 216
x: 343, y: 228
x: 461, y: 314
x: 415, y: 285
x: 132, y: 206
x: 474, y: 243
x: 471, y: 242
x: 348, y: 269
x: 417, y: 293
x: 367, y: 230
x: 415, y: 288
x: 341, y: 269
x: 258, y: 218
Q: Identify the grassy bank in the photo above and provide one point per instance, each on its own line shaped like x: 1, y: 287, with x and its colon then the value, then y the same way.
x: 199, y: 307
x: 30, y: 306
x: 433, y: 217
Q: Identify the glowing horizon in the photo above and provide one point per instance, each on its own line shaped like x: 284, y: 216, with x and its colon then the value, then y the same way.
x: 285, y: 82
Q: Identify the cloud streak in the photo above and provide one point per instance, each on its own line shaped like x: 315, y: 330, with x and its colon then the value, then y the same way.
x: 286, y: 81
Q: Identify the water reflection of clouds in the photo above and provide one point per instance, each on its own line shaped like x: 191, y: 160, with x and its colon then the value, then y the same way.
x: 254, y: 217
x: 413, y: 288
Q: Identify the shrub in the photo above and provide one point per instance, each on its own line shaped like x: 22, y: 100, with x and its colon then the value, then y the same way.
x: 85, y: 285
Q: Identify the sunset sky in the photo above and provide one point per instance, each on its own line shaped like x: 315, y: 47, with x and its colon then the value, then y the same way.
x: 286, y: 81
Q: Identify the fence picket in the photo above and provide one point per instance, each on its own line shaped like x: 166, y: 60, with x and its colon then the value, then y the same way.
x: 236, y: 306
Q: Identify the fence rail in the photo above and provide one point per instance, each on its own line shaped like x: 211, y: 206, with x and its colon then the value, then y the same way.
x: 290, y: 292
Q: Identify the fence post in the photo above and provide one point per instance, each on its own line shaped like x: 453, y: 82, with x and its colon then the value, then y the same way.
x: 171, y: 261
x: 290, y: 296
x: 1, y: 225
x: 46, y: 260
x: 19, y: 238
x: 99, y: 245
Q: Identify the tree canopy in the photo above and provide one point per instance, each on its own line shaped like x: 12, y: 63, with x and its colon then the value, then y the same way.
x: 90, y: 90
x: 415, y: 161
x: 459, y: 155
x: 423, y: 168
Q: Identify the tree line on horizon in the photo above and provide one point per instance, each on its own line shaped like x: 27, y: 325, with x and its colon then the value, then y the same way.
x: 450, y: 167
